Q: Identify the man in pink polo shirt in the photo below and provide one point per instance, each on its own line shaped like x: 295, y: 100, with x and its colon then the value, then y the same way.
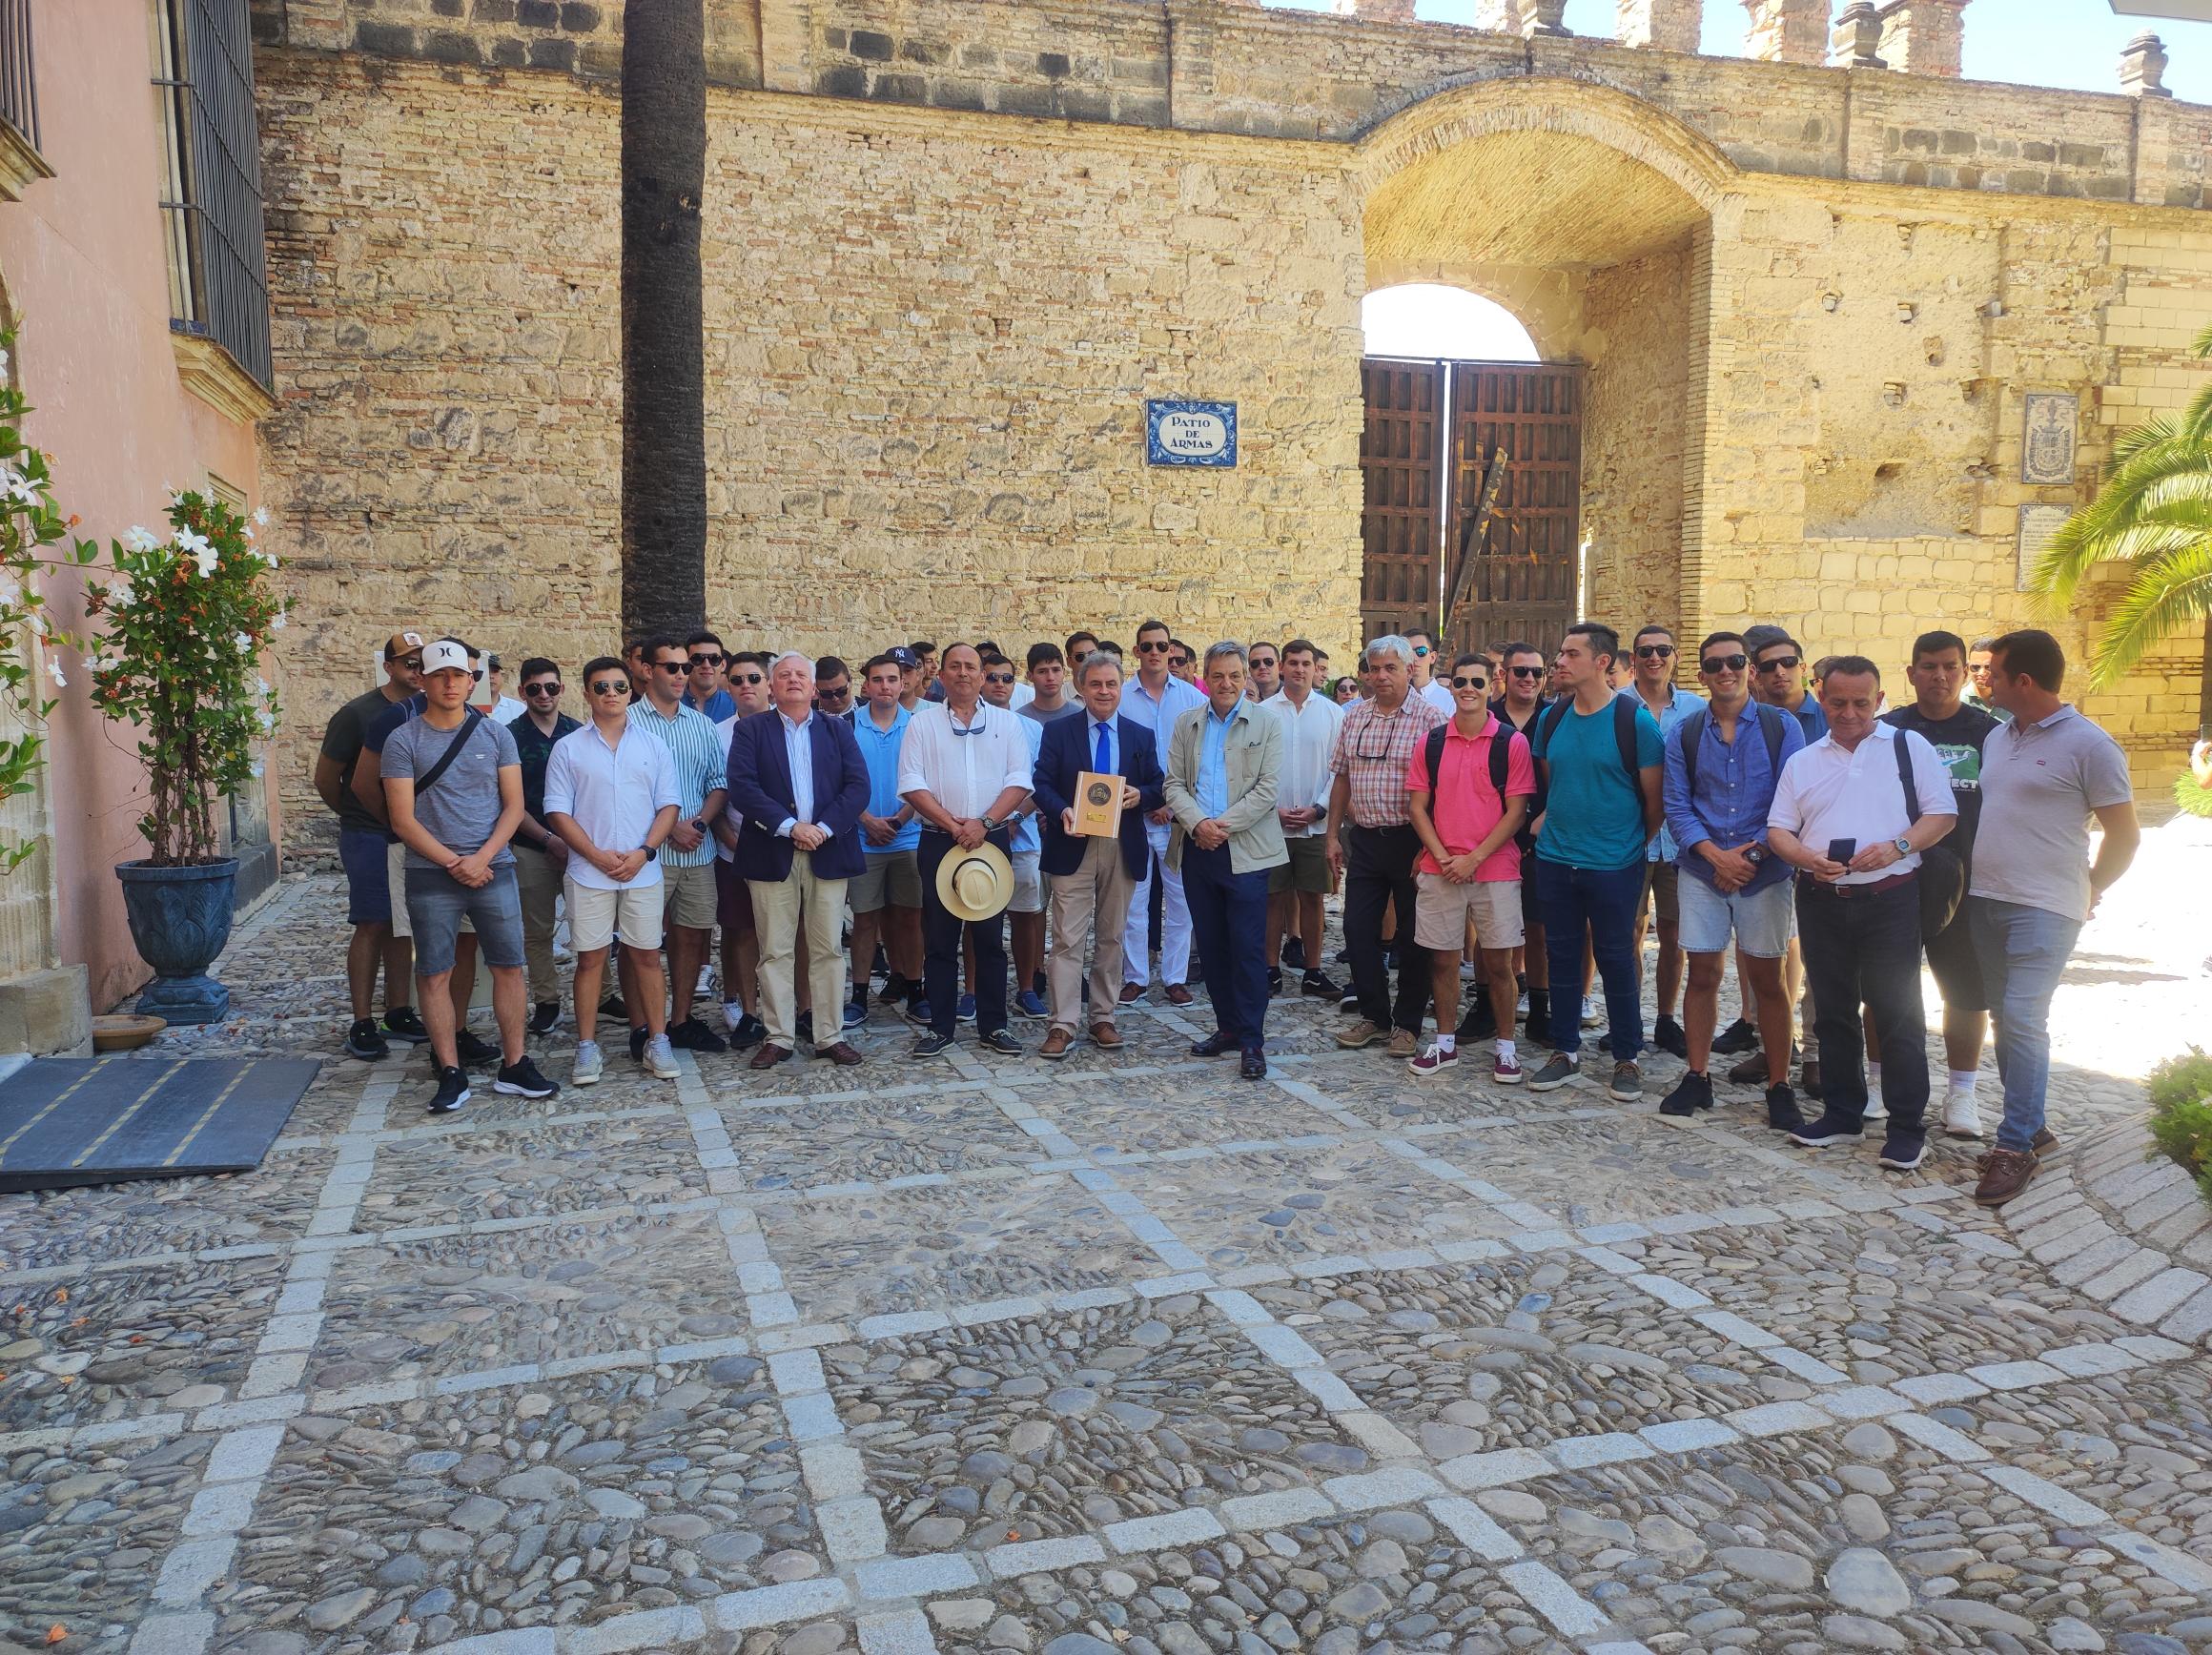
x: 1467, y: 797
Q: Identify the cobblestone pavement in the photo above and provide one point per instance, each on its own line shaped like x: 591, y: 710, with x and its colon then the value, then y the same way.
x: 1121, y: 1353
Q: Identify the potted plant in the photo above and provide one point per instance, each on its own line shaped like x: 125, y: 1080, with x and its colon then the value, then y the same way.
x: 183, y: 621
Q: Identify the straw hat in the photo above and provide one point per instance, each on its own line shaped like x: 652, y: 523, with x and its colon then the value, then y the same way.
x: 976, y: 885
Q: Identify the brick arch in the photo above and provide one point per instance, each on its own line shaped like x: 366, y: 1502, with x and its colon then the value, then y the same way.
x: 1639, y: 131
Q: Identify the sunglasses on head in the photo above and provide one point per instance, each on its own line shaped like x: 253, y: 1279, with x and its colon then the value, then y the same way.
x: 1462, y: 680
x: 1653, y: 651
x: 609, y: 686
x: 707, y: 661
x: 1779, y: 664
x: 1724, y: 663
x: 1526, y: 672
x: 553, y: 689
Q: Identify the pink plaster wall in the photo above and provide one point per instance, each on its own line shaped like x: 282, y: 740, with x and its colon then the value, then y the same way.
x: 82, y: 258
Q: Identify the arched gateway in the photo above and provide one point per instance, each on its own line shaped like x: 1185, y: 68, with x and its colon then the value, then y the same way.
x: 1589, y: 213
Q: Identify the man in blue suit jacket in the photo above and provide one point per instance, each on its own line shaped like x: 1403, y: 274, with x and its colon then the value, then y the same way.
x: 1091, y: 878
x: 798, y: 780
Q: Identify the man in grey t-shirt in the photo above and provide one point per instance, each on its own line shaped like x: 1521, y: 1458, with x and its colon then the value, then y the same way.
x: 453, y: 786
x: 2043, y: 775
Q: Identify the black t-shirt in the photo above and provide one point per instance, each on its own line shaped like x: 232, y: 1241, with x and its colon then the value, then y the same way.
x: 343, y: 739
x: 1527, y: 837
x: 1957, y: 741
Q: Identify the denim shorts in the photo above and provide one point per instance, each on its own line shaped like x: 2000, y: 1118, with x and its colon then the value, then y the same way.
x: 436, y: 903
x: 1763, y: 920
x: 368, y: 886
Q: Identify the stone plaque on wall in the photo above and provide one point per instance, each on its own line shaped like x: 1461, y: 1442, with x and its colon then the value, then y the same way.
x: 2037, y: 525
x: 2047, y: 437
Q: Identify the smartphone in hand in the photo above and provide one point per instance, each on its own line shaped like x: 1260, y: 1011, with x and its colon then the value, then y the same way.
x: 1842, y: 850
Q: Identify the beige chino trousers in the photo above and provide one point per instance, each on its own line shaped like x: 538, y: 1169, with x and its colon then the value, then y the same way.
x: 779, y: 908
x: 1092, y: 901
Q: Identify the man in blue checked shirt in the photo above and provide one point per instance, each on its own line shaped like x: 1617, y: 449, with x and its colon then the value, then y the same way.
x: 1718, y: 779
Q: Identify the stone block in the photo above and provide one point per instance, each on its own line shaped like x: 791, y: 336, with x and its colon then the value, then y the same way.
x: 47, y: 1012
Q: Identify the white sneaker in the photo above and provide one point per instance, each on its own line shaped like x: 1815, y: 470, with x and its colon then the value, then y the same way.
x: 1875, y: 1109
x: 1961, y: 1120
x: 660, y: 1059
x: 589, y: 1064
x: 706, y: 988
x: 732, y: 1015
x: 1591, y: 1014
x: 1521, y: 1006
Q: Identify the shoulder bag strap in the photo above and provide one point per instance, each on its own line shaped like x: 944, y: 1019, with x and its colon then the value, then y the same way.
x: 428, y: 779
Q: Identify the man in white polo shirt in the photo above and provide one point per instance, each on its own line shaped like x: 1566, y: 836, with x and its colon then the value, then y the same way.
x: 1842, y: 817
x: 611, y: 793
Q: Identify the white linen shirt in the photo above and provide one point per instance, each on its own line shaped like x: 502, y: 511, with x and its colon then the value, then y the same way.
x: 964, y: 772
x: 1308, y: 738
x: 1827, y: 793
x: 613, y: 793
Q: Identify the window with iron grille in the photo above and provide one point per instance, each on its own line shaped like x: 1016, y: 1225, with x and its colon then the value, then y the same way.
x: 18, y: 87
x: 218, y: 283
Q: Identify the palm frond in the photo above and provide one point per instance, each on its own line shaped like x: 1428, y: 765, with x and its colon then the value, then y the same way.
x: 2155, y: 482
x: 2170, y: 592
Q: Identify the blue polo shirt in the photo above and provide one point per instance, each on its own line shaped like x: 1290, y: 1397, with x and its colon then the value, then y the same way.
x: 879, y: 752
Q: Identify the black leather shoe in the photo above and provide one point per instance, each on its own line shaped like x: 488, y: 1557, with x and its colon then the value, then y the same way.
x: 1212, y: 1045
x: 1254, y: 1064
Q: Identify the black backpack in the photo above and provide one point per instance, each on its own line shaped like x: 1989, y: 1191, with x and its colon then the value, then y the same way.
x: 1500, y: 744
x: 1693, y: 735
x: 1625, y: 710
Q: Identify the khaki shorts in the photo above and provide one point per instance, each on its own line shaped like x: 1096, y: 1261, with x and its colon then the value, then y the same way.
x: 1664, y: 880
x: 395, y: 877
x: 893, y: 879
x: 1307, y: 869
x: 595, y: 916
x: 1442, y: 909
x: 692, y: 900
x: 1029, y: 883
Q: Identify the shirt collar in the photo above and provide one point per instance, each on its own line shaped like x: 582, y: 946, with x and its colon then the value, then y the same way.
x: 1490, y: 726
x: 1095, y: 722
x: 794, y: 725
x: 1240, y: 710
x: 2066, y: 710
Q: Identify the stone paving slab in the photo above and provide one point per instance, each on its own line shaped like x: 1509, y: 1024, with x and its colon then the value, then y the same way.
x: 529, y: 1172
x: 275, y: 1203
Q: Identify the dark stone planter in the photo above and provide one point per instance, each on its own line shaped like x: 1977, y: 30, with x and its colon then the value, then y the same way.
x: 180, y: 918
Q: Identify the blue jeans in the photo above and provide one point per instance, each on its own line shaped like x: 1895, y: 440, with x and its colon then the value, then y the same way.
x: 1229, y: 917
x: 2023, y: 953
x: 1605, y: 900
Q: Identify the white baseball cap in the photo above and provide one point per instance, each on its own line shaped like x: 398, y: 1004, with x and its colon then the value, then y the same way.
x: 442, y: 654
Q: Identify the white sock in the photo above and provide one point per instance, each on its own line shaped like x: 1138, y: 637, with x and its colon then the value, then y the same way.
x: 1873, y: 1081
x: 1446, y: 1043
x: 1504, y: 1049
x: 1962, y: 1082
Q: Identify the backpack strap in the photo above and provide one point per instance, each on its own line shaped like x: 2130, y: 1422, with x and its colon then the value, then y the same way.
x: 1692, y: 730
x: 1625, y: 710
x: 1432, y: 751
x: 1770, y: 726
x: 1501, y: 751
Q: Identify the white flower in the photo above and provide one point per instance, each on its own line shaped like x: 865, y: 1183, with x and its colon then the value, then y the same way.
x: 191, y: 540
x: 53, y: 671
x: 249, y: 534
x: 36, y: 622
x: 10, y: 591
x: 266, y: 719
x: 260, y: 686
x: 256, y: 768
x: 269, y: 557
x: 245, y: 642
x: 15, y: 487
x: 141, y: 540
x: 260, y: 512
x: 276, y: 622
x: 3, y: 362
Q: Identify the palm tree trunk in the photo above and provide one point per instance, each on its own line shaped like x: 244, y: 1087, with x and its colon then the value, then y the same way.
x: 663, y: 171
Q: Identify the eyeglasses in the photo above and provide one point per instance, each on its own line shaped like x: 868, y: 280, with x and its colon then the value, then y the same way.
x: 1470, y: 683
x: 1653, y: 651
x: 1779, y: 664
x: 1526, y: 672
x: 553, y: 689
x: 1724, y: 664
x: 998, y: 678
x: 748, y: 678
x: 609, y: 686
x: 707, y: 661
x: 1155, y: 648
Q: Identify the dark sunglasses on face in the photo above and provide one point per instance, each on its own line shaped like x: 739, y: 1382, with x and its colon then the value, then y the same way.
x: 1259, y: 664
x: 671, y: 667
x: 1653, y: 651
x: 1526, y: 672
x: 610, y: 686
x: 1151, y: 649
x: 412, y: 663
x: 477, y: 673
x: 1420, y: 649
x: 998, y: 678
x: 748, y: 678
x: 707, y: 661
x: 837, y: 694
x: 553, y: 689
x: 1778, y: 663
x: 1463, y: 681
x: 1724, y: 663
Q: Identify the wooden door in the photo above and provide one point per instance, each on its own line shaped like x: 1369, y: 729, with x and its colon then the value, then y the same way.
x: 1402, y: 467
x: 1522, y: 582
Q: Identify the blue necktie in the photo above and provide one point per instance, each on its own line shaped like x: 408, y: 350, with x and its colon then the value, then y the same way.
x: 1104, y: 763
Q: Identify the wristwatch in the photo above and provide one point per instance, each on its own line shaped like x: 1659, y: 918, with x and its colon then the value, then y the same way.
x: 1754, y: 855
x: 1903, y: 847
x: 989, y: 826
x: 698, y: 824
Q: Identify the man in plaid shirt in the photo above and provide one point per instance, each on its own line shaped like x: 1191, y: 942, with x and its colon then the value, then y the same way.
x: 1372, y: 843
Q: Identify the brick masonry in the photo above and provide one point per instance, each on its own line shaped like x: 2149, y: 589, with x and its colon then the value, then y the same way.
x: 951, y: 247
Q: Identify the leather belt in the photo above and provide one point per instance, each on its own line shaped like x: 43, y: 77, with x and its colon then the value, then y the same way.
x: 1850, y: 893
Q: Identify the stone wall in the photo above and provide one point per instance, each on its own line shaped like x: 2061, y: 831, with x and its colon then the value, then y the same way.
x: 1639, y: 337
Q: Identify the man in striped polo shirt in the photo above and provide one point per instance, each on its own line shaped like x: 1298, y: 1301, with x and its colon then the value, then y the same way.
x: 687, y: 858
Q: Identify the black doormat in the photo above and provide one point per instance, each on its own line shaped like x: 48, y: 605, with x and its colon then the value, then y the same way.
x: 66, y: 1121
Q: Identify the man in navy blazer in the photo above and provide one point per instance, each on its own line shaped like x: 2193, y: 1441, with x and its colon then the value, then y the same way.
x: 1091, y: 879
x: 797, y: 777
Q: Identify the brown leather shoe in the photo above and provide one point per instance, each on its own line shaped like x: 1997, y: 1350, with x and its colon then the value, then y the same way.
x: 1132, y: 993
x: 1056, y: 1044
x: 2045, y: 1143
x: 2004, y: 1174
x: 844, y: 1054
x: 1106, y: 1037
x: 1178, y: 994
x: 1359, y: 1034
x: 1404, y: 1043
x: 1751, y: 1070
x: 769, y: 1055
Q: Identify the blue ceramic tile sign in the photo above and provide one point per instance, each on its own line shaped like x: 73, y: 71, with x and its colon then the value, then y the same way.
x: 1181, y: 433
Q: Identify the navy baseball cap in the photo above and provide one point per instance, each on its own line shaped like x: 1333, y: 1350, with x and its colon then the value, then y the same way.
x: 904, y: 657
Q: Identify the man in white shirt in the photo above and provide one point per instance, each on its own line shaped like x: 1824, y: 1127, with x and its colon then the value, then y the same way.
x: 964, y: 767
x: 1156, y: 698
x: 611, y: 794
x: 1843, y: 817
x: 1424, y: 680
x: 1295, y: 890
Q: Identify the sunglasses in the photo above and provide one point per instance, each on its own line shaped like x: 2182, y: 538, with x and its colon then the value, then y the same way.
x: 553, y: 689
x: 1152, y: 649
x: 1724, y: 663
x: 1259, y: 662
x: 748, y: 678
x: 838, y: 694
x: 1420, y: 649
x: 477, y: 673
x: 609, y: 686
x: 1653, y: 651
x: 1779, y: 664
x: 998, y: 678
x: 707, y: 661
x: 1463, y: 683
x: 1526, y: 672
x: 412, y: 663
x: 671, y: 667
